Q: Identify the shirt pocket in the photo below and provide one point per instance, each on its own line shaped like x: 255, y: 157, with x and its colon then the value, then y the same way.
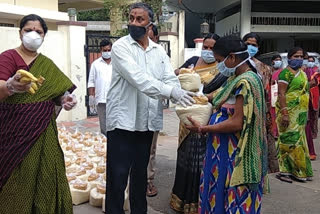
x: 159, y: 69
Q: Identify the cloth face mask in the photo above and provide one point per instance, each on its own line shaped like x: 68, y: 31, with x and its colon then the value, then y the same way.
x: 295, y: 63
x: 137, y: 32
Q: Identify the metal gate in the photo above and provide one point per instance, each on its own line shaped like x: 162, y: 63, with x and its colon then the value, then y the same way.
x: 92, y: 52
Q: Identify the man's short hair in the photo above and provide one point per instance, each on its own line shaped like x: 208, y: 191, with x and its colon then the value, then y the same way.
x: 144, y: 6
x: 105, y: 42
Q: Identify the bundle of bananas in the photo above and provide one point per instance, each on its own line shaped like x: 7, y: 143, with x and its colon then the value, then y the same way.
x: 27, y: 77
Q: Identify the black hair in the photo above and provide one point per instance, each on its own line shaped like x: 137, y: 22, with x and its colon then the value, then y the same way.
x: 311, y: 57
x: 231, y: 44
x: 105, y: 42
x: 144, y: 6
x: 275, y: 57
x: 34, y: 17
x: 252, y: 35
x: 305, y: 54
x: 294, y: 50
x: 155, y: 30
x: 211, y: 36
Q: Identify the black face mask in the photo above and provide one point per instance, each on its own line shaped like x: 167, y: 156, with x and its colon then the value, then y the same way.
x: 137, y: 32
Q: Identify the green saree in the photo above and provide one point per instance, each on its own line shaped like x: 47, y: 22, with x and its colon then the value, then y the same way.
x: 293, y: 154
x: 33, y: 179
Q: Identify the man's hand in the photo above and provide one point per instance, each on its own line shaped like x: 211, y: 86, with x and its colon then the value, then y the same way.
x: 182, y: 97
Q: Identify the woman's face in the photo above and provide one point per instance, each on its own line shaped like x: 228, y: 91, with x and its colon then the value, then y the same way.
x: 276, y: 59
x: 297, y: 55
x: 208, y: 44
x: 32, y: 26
x: 252, y: 41
x: 230, y: 62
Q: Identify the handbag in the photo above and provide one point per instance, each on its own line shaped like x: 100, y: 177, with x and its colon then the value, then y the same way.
x: 274, y: 94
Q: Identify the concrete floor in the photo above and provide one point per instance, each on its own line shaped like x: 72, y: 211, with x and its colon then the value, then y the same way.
x: 285, y: 198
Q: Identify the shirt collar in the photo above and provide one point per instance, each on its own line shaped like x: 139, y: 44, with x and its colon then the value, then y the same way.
x: 102, y: 60
x: 151, y: 43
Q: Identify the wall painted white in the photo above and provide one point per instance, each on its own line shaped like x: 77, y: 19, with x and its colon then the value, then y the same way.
x: 74, y: 40
x: 9, y: 11
x: 231, y: 22
x: 174, y: 47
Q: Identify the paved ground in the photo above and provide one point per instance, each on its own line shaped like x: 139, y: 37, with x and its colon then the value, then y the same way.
x: 285, y: 198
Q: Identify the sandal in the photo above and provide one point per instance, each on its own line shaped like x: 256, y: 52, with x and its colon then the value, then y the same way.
x: 284, y: 178
x: 313, y: 157
x: 151, y: 190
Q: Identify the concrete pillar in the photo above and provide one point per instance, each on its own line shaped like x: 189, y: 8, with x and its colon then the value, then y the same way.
x: 245, y: 17
x: 74, y: 34
x: 181, y: 34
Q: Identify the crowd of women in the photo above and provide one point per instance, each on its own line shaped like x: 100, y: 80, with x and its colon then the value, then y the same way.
x: 264, y: 121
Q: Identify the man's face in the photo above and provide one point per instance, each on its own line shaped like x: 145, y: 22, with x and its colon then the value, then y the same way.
x: 152, y: 36
x: 139, y: 17
x: 106, y: 48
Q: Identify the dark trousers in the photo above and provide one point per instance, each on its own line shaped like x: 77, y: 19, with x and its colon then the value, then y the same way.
x: 127, y: 152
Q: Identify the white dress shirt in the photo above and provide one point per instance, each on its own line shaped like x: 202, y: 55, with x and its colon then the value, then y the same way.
x: 100, y: 79
x: 140, y: 79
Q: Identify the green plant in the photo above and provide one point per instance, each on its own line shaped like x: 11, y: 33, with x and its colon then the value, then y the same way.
x: 94, y: 15
x: 124, y: 5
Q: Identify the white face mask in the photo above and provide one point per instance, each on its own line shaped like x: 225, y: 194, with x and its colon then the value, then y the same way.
x: 106, y: 54
x: 311, y: 64
x: 228, y: 72
x: 32, y: 41
x: 277, y: 64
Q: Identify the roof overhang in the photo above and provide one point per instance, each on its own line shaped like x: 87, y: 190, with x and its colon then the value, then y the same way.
x: 9, y: 11
x: 80, y: 5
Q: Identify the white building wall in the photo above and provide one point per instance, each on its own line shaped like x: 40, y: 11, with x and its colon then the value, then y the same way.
x: 228, y: 24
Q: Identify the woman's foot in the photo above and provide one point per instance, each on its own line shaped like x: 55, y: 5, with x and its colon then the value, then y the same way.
x: 313, y: 157
x: 284, y: 178
x: 151, y: 190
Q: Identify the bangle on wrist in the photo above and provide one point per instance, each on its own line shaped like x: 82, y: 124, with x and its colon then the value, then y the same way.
x: 284, y: 108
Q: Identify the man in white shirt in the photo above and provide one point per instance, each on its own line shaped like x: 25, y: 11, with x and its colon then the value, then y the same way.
x: 141, y: 76
x: 99, y: 82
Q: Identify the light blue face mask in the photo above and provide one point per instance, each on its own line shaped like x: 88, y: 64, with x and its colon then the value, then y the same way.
x: 311, y: 64
x: 252, y: 50
x: 228, y: 72
x: 277, y: 64
x: 207, y: 56
x: 305, y: 62
x: 106, y: 55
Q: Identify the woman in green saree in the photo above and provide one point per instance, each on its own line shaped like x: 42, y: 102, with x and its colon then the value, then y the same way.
x: 292, y: 115
x: 32, y: 171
